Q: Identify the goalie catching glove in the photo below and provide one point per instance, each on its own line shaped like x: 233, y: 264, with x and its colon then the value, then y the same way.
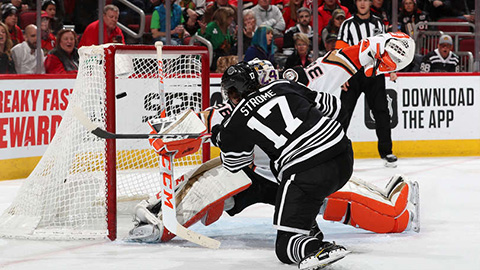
x: 386, y: 53
x: 185, y: 123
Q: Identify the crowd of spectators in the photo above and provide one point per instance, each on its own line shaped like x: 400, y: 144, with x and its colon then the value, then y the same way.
x: 278, y: 30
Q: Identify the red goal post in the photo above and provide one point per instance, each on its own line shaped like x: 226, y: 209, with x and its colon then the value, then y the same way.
x: 75, y: 190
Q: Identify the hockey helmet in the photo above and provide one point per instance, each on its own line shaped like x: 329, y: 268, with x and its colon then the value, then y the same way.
x: 266, y: 72
x: 240, y: 78
x: 399, y: 53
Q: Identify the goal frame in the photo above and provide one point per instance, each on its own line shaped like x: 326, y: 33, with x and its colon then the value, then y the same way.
x: 110, y: 116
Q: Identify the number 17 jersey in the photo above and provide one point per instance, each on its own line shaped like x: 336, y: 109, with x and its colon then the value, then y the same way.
x: 292, y: 124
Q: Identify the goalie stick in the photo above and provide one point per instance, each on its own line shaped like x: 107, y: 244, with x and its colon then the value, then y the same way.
x: 169, y: 212
x: 102, y: 133
x: 168, y: 184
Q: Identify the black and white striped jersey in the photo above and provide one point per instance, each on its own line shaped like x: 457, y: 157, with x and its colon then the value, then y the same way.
x: 354, y: 29
x: 292, y: 124
x: 434, y: 62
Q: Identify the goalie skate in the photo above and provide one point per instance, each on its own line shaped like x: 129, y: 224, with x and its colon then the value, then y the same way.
x: 328, y: 254
x: 414, y: 206
x: 145, y: 233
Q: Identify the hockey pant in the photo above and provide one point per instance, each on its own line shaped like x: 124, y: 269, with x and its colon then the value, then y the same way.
x: 299, y: 199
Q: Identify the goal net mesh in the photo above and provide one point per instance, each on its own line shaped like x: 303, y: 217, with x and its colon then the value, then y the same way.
x: 65, y: 197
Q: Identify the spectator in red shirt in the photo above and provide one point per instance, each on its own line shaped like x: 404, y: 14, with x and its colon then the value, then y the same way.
x: 325, y: 12
x: 111, y: 32
x: 48, y: 38
x: 10, y: 18
x: 290, y: 12
x: 63, y: 59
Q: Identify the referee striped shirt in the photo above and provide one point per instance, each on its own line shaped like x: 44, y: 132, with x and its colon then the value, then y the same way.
x: 354, y: 29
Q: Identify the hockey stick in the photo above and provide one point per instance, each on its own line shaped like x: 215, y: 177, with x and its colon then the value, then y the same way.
x: 91, y: 127
x: 169, y: 212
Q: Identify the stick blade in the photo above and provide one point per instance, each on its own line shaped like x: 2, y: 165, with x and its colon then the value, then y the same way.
x: 197, y: 238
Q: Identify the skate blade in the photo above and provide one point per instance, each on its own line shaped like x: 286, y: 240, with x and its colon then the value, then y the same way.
x: 390, y: 164
x: 332, y: 258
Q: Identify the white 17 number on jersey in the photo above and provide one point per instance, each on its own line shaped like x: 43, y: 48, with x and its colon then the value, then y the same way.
x: 292, y: 123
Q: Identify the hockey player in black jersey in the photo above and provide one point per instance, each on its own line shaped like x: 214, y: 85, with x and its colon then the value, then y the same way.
x: 309, y: 152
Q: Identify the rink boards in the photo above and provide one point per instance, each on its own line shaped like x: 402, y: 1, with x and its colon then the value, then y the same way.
x: 432, y: 115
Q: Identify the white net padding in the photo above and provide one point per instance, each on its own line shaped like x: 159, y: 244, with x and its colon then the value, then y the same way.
x: 66, y: 196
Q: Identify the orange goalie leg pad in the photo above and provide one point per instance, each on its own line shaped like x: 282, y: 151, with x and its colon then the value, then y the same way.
x: 368, y: 213
x: 335, y: 210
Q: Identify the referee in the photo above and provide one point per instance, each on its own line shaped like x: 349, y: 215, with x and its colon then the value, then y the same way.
x: 360, y: 26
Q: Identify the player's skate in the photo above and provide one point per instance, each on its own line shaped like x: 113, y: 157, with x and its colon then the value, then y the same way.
x: 328, y: 254
x: 390, y: 161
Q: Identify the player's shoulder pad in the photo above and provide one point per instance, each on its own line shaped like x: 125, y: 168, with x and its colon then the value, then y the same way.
x: 296, y: 74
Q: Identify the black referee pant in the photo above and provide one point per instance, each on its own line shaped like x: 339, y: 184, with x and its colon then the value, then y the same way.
x: 376, y: 96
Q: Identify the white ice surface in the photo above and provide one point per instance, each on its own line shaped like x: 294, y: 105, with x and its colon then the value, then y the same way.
x: 449, y: 236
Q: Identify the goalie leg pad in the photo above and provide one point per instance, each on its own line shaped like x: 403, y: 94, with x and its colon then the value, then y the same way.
x: 363, y: 205
x: 205, y: 197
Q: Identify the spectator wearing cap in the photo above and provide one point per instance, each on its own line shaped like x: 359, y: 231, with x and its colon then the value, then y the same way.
x: 63, y: 59
x: 329, y: 43
x: 25, y: 54
x: 290, y: 12
x: 50, y: 9
x: 10, y: 19
x: 442, y: 59
x: 410, y: 15
x: 111, y: 32
x: 47, y: 36
x: 7, y: 66
x: 304, y: 17
x: 300, y: 56
x: 325, y: 12
x: 333, y: 26
x: 269, y: 15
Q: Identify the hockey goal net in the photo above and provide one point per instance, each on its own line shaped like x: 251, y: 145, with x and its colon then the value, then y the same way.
x: 74, y: 191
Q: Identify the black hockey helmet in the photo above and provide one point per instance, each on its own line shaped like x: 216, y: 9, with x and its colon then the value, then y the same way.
x: 240, y: 78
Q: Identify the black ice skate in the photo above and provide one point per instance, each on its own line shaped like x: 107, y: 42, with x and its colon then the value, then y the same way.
x: 390, y: 161
x: 316, y: 232
x: 328, y: 254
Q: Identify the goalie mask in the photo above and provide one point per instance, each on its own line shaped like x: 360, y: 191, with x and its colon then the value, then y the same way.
x: 238, y: 81
x: 266, y: 72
